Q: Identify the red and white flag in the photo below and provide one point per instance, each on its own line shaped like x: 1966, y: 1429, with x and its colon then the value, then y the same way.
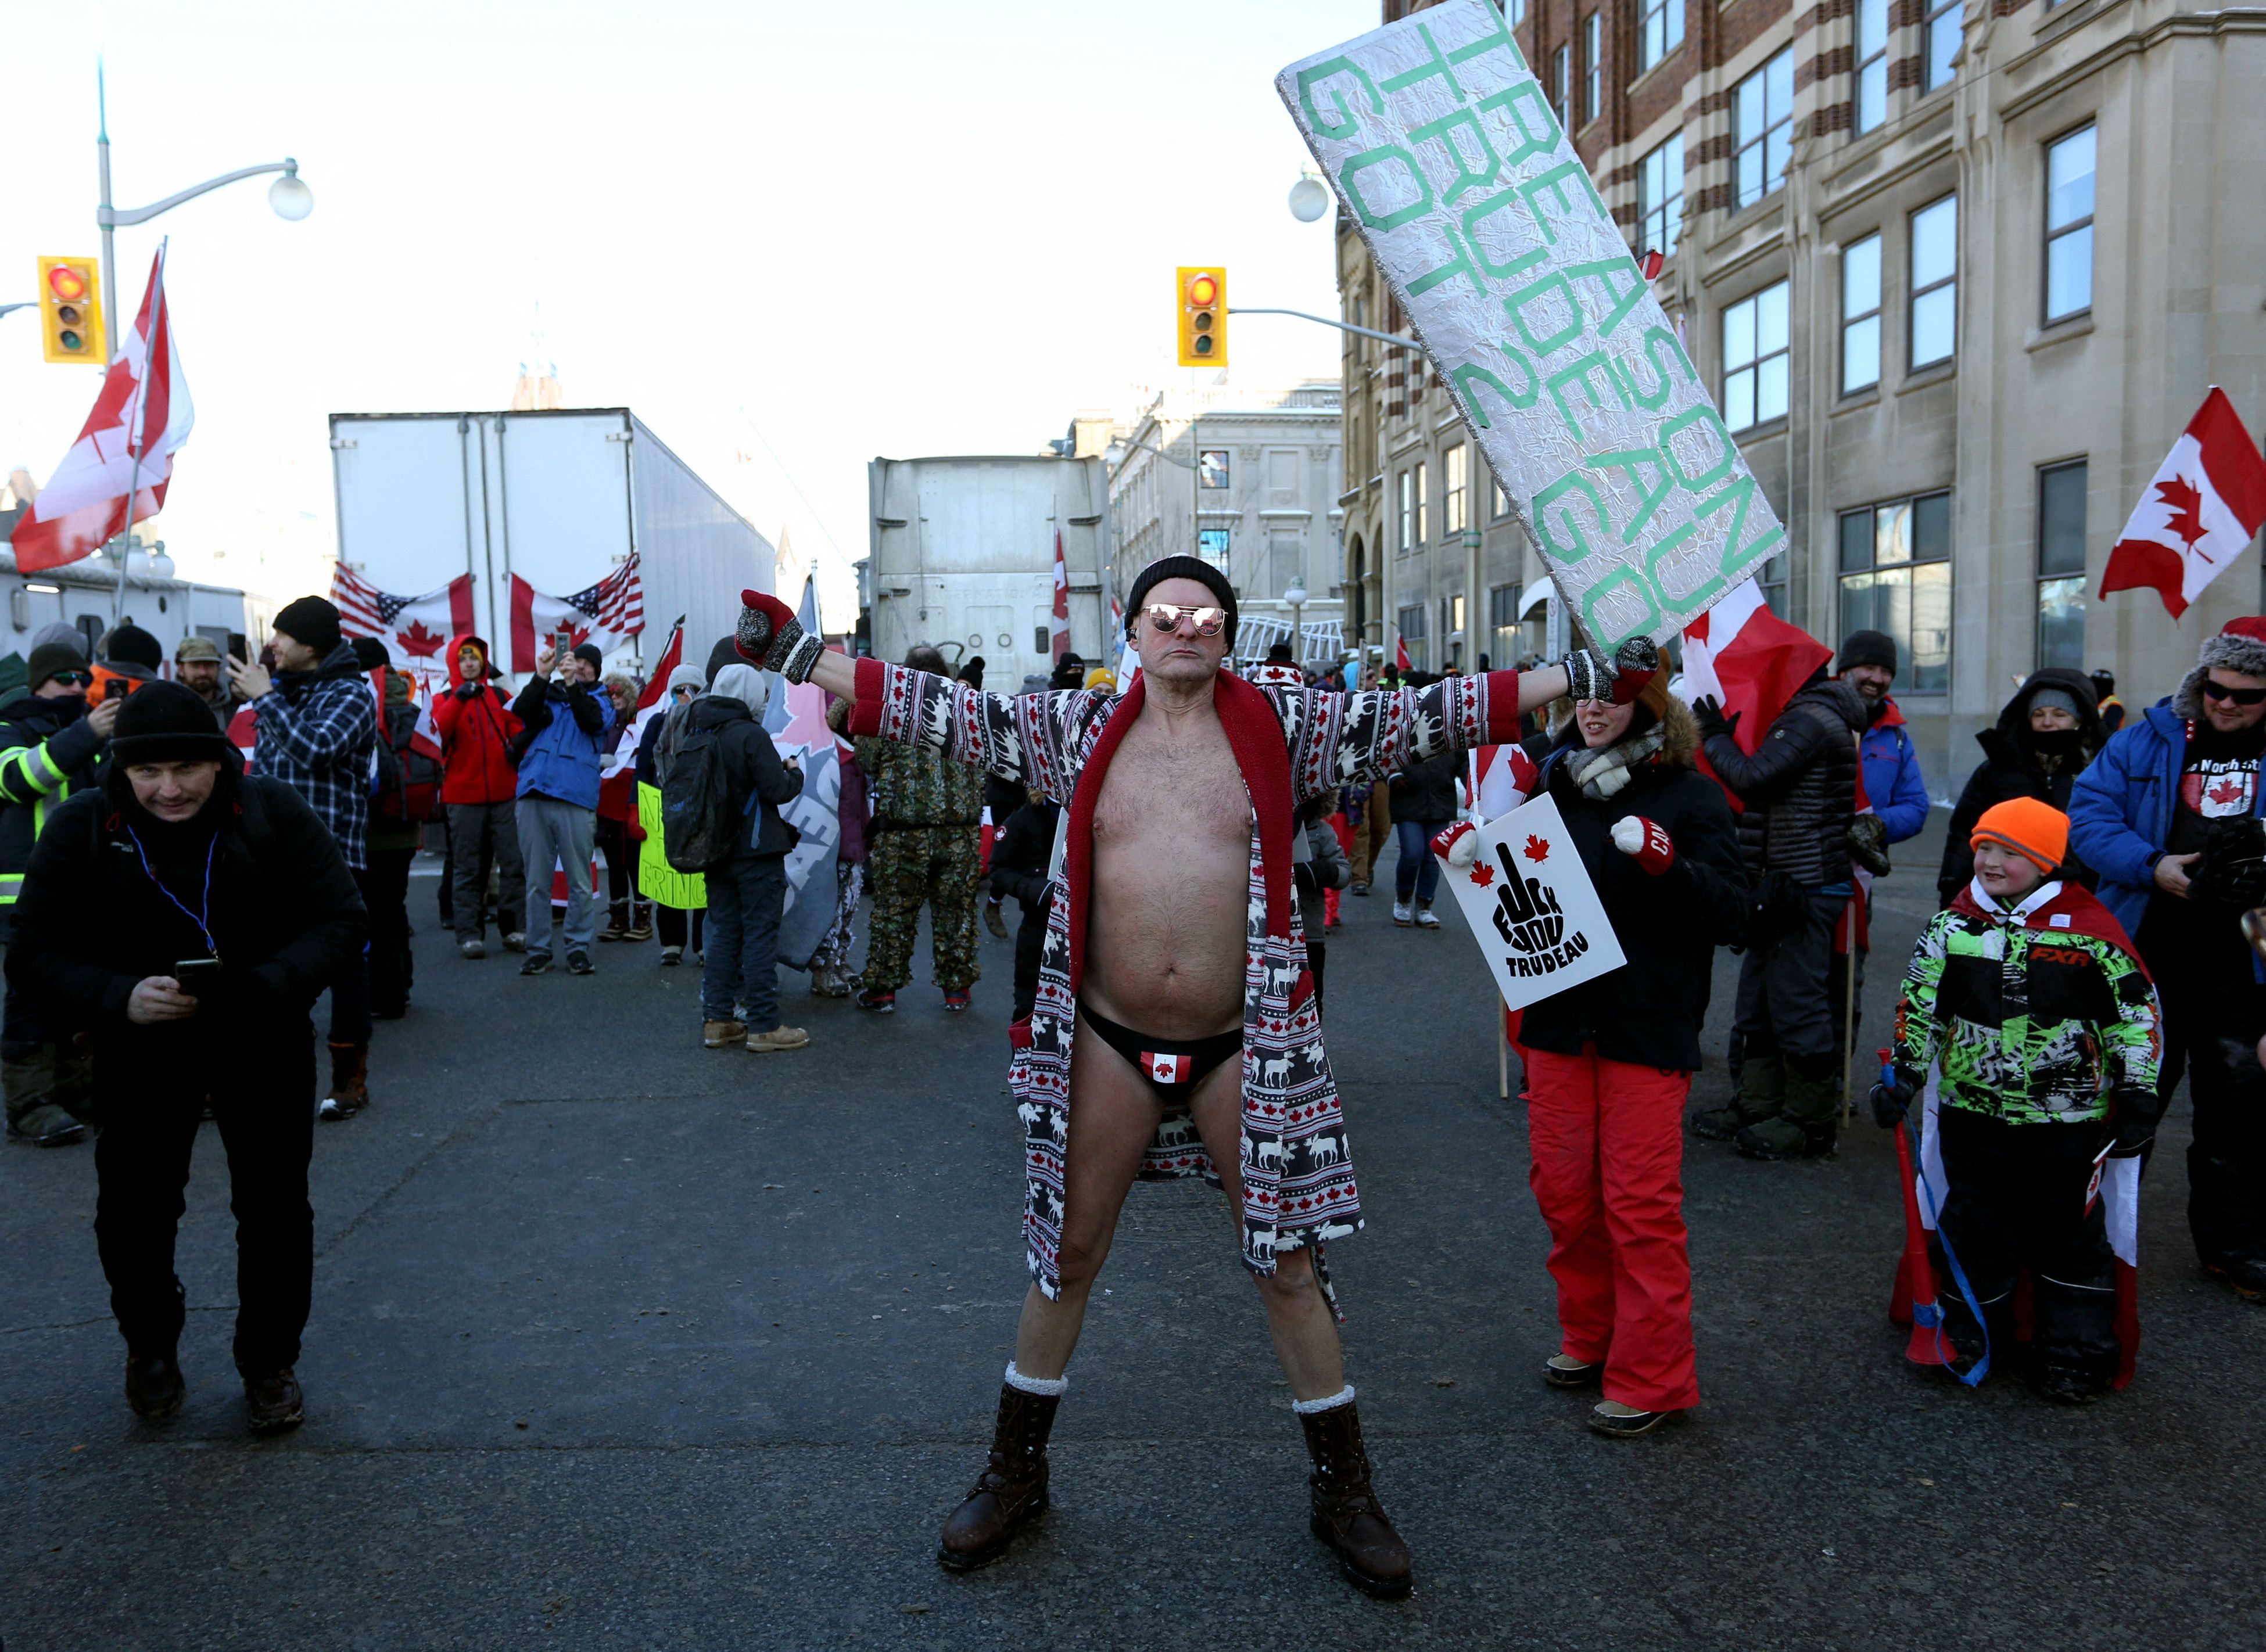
x: 415, y: 630
x: 425, y: 736
x: 1165, y: 1068
x: 1400, y: 652
x: 604, y: 613
x: 1502, y: 778
x: 617, y: 777
x: 1750, y: 660
x: 127, y: 445
x: 1058, y: 627
x: 2205, y: 504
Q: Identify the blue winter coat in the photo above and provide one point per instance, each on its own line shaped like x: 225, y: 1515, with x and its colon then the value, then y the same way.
x: 568, y: 741
x: 1893, y: 782
x: 2120, y: 810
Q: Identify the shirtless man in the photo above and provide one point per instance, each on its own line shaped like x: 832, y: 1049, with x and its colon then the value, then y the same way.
x: 1175, y: 1022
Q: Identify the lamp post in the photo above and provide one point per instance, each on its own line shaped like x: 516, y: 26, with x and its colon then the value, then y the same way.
x: 1295, y: 595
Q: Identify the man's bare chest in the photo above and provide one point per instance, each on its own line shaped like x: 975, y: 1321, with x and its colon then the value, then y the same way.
x: 1184, y: 789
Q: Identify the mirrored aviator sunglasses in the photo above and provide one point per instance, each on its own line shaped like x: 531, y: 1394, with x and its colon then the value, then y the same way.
x: 1168, y: 617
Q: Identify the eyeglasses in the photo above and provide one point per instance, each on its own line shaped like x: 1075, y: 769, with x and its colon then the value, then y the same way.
x: 1168, y: 617
x: 75, y: 679
x: 2240, y: 696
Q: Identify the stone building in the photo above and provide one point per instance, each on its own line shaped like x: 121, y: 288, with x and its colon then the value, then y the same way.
x: 1250, y: 479
x: 1957, y: 273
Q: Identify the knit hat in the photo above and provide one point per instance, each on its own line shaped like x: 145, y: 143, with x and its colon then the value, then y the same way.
x: 195, y: 648
x: 591, y: 655
x: 726, y: 651
x: 1183, y: 568
x: 1866, y: 648
x: 312, y: 622
x: 50, y: 658
x: 56, y: 630
x: 2061, y: 699
x: 130, y: 645
x: 2037, y: 831
x: 687, y: 676
x: 169, y: 722
x: 369, y: 653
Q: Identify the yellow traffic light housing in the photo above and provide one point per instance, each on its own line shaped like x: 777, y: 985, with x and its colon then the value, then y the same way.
x: 71, y: 311
x: 1203, y: 316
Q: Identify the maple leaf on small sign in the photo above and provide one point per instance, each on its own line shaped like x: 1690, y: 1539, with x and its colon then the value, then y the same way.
x: 1482, y: 873
x: 1537, y: 850
x: 418, y: 641
x: 2186, y: 504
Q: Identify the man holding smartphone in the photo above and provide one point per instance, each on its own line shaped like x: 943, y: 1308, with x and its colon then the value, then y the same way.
x: 566, y: 723
x: 184, y: 916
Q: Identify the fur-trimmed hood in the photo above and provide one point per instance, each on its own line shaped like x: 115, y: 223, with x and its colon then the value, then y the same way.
x: 2232, y: 650
x: 1679, y: 732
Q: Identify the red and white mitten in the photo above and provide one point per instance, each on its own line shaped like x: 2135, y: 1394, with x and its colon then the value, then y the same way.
x: 768, y: 635
x: 1646, y: 842
x: 1458, y: 844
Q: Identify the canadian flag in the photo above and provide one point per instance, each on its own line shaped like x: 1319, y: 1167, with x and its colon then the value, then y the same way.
x: 1165, y: 1068
x: 1058, y: 627
x: 1750, y: 660
x: 1400, y: 652
x: 127, y: 446
x: 2204, y: 505
x: 617, y: 771
x: 1502, y: 777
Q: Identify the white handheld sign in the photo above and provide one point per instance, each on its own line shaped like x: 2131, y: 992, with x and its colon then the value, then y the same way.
x: 1532, y: 907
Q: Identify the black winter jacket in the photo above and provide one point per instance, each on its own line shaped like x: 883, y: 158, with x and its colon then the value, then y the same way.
x: 759, y: 780
x: 2011, y: 768
x: 47, y: 751
x: 92, y: 924
x: 1426, y: 792
x: 1021, y: 852
x: 1799, y: 789
x: 1649, y: 1012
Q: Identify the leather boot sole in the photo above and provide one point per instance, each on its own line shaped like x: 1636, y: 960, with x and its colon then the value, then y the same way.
x: 953, y: 1560
x: 1375, y: 1588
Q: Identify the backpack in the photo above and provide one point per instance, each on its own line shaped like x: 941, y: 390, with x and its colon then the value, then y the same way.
x: 408, y: 788
x: 698, y: 820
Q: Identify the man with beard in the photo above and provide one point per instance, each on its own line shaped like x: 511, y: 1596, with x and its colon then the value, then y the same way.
x: 1176, y: 1030
x: 197, y: 667
x: 50, y: 745
x: 185, y: 917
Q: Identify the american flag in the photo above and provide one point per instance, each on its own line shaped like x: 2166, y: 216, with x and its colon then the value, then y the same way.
x: 414, y: 629
x: 612, y: 609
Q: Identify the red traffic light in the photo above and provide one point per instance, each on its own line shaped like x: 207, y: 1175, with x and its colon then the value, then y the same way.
x: 1203, y: 292
x: 66, y: 283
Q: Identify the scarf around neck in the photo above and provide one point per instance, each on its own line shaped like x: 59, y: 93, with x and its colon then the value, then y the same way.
x: 1602, y: 771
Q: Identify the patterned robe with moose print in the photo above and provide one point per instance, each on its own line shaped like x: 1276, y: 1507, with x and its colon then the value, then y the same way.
x: 1290, y: 744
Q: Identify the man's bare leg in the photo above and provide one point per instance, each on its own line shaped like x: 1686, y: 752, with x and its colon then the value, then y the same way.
x: 1305, y: 1331
x: 1112, y: 1118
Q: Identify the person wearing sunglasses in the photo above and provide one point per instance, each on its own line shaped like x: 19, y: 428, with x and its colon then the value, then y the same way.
x: 1146, y: 1055
x: 50, y: 747
x: 2168, y: 816
x: 2045, y: 736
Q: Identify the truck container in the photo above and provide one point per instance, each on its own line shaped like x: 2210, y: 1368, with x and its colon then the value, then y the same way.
x: 962, y: 556
x: 560, y: 497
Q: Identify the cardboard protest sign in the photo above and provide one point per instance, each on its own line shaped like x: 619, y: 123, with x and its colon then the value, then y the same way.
x: 1443, y: 149
x: 1532, y: 907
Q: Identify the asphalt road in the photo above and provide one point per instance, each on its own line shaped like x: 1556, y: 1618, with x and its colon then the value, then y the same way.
x: 621, y: 1343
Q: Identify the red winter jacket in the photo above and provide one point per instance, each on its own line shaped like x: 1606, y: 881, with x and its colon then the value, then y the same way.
x: 474, y: 733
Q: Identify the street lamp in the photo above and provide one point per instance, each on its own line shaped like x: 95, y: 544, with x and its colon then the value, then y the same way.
x: 1310, y: 197
x: 1295, y: 595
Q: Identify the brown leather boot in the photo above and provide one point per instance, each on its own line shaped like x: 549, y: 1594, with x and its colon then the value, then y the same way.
x: 349, y: 1091
x: 1347, y: 1514
x: 1013, y: 1489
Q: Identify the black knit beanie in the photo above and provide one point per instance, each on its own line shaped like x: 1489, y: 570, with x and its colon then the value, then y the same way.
x: 1866, y: 648
x: 1183, y: 568
x: 594, y: 654
x: 130, y: 645
x: 52, y: 659
x: 312, y: 621
x: 169, y: 722
x: 369, y: 653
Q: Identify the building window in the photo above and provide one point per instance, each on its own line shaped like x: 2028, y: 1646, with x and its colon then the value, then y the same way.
x: 1860, y: 315
x: 2068, y: 225
x: 1504, y: 642
x: 1660, y: 196
x: 1660, y: 31
x: 1762, y: 127
x: 1424, y: 500
x: 1514, y: 10
x: 1412, y: 636
x: 1872, y: 63
x: 1405, y: 541
x: 1772, y: 583
x: 2061, y: 566
x: 1499, y: 505
x: 1935, y: 282
x: 1452, y: 633
x: 1940, y: 36
x: 1561, y: 87
x: 1896, y: 577
x: 1454, y: 467
x: 1593, y: 66
x: 1754, y: 359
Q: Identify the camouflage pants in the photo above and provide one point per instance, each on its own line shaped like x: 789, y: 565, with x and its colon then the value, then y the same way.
x: 933, y: 866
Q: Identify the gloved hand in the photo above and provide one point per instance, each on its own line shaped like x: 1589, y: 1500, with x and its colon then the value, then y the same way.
x: 2131, y: 1122
x: 1707, y: 711
x: 468, y: 691
x: 1892, y: 1098
x: 1458, y: 844
x: 770, y: 636
x: 1654, y: 849
x: 1589, y: 675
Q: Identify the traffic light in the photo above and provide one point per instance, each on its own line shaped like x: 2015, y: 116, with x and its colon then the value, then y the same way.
x: 1203, y: 317
x: 71, y: 311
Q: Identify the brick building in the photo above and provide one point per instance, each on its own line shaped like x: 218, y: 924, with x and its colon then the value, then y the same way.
x: 1957, y: 273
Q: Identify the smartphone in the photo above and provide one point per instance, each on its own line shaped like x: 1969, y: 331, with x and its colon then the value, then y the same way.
x: 194, y: 973
x: 562, y: 643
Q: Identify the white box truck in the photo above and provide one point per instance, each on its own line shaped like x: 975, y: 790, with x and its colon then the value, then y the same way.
x: 962, y: 556
x: 558, y: 497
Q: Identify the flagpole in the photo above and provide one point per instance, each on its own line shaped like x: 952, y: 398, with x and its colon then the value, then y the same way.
x: 137, y: 438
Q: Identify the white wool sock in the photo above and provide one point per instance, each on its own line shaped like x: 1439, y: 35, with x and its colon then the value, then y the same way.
x: 1046, y: 1385
x: 1307, y: 1407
